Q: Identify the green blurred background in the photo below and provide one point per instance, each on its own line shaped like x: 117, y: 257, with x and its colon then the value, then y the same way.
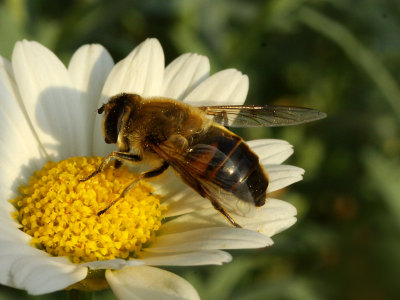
x: 338, y: 56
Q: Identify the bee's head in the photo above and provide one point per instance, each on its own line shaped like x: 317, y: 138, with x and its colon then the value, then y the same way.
x: 116, y: 112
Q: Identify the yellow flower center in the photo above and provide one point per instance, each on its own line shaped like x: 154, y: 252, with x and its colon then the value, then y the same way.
x: 60, y: 213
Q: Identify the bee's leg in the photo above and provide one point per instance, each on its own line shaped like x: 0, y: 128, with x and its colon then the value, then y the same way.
x: 152, y: 173
x: 117, y: 164
x: 202, y: 190
x: 218, y: 207
x: 120, y: 156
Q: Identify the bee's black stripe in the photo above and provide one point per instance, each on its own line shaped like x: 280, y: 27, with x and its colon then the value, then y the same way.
x: 238, y: 171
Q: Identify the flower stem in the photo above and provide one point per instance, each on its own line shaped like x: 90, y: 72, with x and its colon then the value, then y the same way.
x: 79, y: 295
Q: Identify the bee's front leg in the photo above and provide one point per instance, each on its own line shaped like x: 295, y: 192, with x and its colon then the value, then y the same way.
x: 119, y: 156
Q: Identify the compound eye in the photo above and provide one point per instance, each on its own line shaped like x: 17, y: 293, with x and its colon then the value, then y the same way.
x: 112, y: 124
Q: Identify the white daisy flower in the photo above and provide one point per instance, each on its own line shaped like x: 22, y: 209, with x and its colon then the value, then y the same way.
x: 51, y: 237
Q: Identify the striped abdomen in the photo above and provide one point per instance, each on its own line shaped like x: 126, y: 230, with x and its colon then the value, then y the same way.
x: 230, y: 164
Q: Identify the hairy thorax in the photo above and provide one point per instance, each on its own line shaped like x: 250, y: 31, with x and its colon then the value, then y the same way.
x: 160, y: 121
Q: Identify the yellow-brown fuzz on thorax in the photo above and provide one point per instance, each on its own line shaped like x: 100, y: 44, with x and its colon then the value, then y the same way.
x: 60, y: 213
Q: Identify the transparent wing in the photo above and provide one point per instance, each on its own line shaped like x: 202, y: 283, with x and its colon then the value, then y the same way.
x: 261, y: 116
x: 199, y: 169
x: 229, y: 201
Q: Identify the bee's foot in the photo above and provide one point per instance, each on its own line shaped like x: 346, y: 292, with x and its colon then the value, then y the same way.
x: 102, y: 211
x: 87, y: 178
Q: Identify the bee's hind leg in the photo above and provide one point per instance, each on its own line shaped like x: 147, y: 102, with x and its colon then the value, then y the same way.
x: 119, y: 156
x: 222, y: 210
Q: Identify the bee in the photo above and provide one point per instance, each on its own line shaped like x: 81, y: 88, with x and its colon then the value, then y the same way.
x: 197, y: 144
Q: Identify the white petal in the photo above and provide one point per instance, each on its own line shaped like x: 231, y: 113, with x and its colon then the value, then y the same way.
x: 140, y: 283
x: 50, y: 99
x: 226, y: 87
x: 28, y: 268
x: 9, y: 232
x: 112, y: 264
x: 271, y: 151
x: 277, y: 226
x: 10, y: 182
x: 196, y: 258
x: 19, y: 150
x: 42, y: 275
x: 10, y: 228
x: 209, y: 239
x: 198, y: 219
x: 212, y: 257
x: 6, y: 209
x: 281, y: 176
x: 89, y: 68
x: 11, y: 252
x: 272, y: 218
x: 184, y: 74
x: 141, y: 72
